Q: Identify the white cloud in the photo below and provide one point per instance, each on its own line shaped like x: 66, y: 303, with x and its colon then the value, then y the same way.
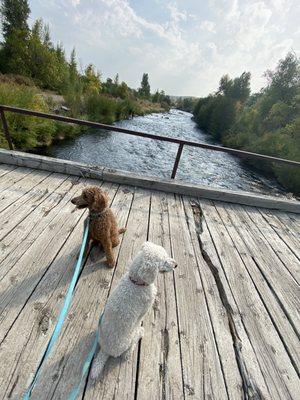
x: 176, y: 14
x: 208, y: 26
x: 75, y: 2
x: 187, y: 48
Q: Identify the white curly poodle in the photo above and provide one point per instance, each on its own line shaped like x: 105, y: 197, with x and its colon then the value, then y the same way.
x: 120, y: 327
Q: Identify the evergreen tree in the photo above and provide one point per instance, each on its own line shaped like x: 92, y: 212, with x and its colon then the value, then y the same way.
x: 46, y: 38
x: 116, y: 80
x: 73, y: 67
x: 15, y: 14
x: 144, y: 90
x: 16, y: 32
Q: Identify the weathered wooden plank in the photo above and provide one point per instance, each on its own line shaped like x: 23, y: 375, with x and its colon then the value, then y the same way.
x: 173, y: 186
x: 24, y: 206
x: 291, y: 221
x: 67, y: 358
x: 287, y: 232
x: 270, y: 266
x: 216, y: 302
x: 152, y: 183
x: 21, y: 279
x: 36, y: 161
x: 38, y: 318
x: 202, y: 372
x: 14, y: 245
x: 20, y: 188
x: 274, y: 362
x: 119, y: 378
x: 283, y: 252
x: 285, y: 330
x: 5, y: 168
x: 13, y: 177
x: 253, y: 380
x: 21, y: 353
x: 160, y: 370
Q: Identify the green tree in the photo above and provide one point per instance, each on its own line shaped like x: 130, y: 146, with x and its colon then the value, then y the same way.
x: 144, y: 90
x: 47, y: 65
x: 16, y: 32
x: 284, y: 82
x: 124, y: 91
x: 15, y: 14
x: 225, y: 85
x: 155, y: 97
x: 116, y: 80
x: 237, y: 89
x: 240, y: 90
x: 73, y: 67
x: 91, y: 79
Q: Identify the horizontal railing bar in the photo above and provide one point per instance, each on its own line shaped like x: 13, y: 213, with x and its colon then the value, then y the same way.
x: 98, y: 125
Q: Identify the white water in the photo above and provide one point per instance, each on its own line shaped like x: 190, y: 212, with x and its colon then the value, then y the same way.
x: 149, y: 157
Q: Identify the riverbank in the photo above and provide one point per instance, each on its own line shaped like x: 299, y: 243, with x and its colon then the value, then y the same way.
x: 267, y: 122
x: 30, y: 132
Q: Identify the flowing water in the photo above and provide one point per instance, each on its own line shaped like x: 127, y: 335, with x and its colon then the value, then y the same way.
x: 149, y: 157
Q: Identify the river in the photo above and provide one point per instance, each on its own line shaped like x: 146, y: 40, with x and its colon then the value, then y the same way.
x: 149, y: 157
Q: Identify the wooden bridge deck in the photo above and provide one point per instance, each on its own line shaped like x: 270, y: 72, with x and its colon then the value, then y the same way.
x: 225, y: 325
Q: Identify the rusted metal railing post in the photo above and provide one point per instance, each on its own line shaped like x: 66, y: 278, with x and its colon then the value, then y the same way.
x: 178, y: 155
x: 5, y: 129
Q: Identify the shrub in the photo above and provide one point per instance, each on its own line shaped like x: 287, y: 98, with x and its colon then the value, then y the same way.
x: 26, y: 131
x: 100, y: 108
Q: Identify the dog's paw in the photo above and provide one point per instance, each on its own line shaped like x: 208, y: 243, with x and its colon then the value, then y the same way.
x: 110, y: 263
x: 141, y: 332
x: 127, y: 355
x: 96, y: 369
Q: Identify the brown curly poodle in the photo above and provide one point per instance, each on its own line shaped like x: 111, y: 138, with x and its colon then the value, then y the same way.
x: 103, y: 227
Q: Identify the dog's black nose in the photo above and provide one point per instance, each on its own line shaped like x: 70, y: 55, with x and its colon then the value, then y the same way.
x: 72, y: 201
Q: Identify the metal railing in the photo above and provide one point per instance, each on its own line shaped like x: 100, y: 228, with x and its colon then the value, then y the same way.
x: 181, y: 142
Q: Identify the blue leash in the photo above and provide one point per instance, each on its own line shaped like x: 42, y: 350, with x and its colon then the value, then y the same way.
x: 86, y: 365
x: 60, y: 322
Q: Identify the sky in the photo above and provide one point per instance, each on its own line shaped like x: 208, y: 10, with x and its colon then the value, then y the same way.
x: 185, y: 46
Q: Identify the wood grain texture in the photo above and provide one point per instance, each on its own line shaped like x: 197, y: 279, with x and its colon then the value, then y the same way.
x: 160, y: 374
x: 274, y: 362
x: 119, y: 378
x: 211, y: 238
x: 5, y: 168
x: 286, y: 231
x: 14, y: 244
x: 24, y: 206
x: 216, y: 303
x: 280, y: 319
x: 40, y: 312
x: 279, y: 247
x: 198, y: 347
x: 61, y: 371
x: 12, y: 176
x: 225, y: 325
x: 275, y: 273
x: 20, y: 188
x: 20, y: 280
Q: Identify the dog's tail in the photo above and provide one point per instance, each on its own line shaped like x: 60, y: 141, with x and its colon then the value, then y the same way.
x: 98, y: 364
x: 122, y: 230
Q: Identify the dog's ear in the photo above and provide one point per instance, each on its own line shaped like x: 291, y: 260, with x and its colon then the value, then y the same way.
x: 147, y: 272
x: 100, y: 199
